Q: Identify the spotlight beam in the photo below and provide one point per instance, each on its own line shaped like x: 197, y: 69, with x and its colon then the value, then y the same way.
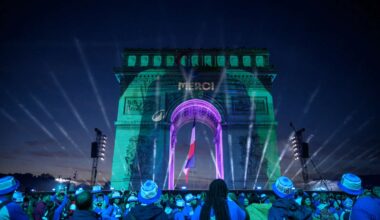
x: 341, y: 159
x: 289, y: 166
x: 231, y: 160
x: 38, y: 123
x: 70, y: 104
x: 59, y: 127
x: 286, y: 148
x: 228, y: 104
x: 93, y: 84
x: 221, y: 79
x: 249, y: 139
x: 369, y: 151
x: 327, y: 141
x: 369, y: 161
x: 333, y: 152
x: 311, y: 100
x: 154, y: 157
x: 8, y: 116
x: 213, y: 160
x: 262, y: 156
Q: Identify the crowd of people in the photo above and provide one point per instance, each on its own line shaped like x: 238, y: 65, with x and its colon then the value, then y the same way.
x: 284, y: 202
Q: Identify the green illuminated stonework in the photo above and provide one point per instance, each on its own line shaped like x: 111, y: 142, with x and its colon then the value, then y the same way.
x: 144, y: 60
x: 207, y: 60
x: 153, y: 83
x: 131, y: 60
x: 260, y: 61
x: 221, y: 60
x: 234, y: 61
x: 195, y: 60
x: 184, y: 60
x: 170, y: 61
x: 247, y: 61
x: 157, y: 60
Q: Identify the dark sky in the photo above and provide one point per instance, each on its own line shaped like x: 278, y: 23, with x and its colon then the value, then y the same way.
x: 57, y: 84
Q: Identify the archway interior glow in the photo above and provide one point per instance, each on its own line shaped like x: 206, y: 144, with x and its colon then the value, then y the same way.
x: 205, y: 113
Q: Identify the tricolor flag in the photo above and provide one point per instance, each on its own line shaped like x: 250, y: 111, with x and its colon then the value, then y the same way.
x: 190, y: 159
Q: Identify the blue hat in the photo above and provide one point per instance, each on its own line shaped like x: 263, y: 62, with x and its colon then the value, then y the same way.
x: 347, y: 203
x: 189, y: 197
x: 79, y: 191
x: 116, y: 195
x: 283, y: 187
x: 149, y: 192
x: 351, y: 184
x: 96, y: 189
x: 18, y: 197
x: 132, y: 198
x: 180, y: 203
x: 8, y: 184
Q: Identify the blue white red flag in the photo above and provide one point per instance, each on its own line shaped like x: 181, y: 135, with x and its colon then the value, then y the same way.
x: 190, y: 159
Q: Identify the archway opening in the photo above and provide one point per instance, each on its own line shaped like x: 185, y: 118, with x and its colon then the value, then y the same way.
x: 205, y: 113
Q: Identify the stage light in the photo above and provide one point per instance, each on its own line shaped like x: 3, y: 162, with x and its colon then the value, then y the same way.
x: 98, y: 151
x: 102, y: 143
x: 183, y: 187
x: 258, y: 188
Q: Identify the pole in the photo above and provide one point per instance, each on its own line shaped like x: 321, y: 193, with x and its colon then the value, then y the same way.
x: 305, y: 173
x: 94, y: 171
x: 319, y: 174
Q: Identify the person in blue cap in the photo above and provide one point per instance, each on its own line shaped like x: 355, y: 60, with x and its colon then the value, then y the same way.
x: 176, y: 213
x: 100, y: 200
x: 367, y: 207
x: 131, y: 203
x: 8, y: 208
x: 115, y: 209
x: 190, y: 205
x: 285, y: 207
x: 149, y: 195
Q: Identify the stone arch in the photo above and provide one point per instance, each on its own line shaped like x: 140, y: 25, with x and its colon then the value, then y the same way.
x: 206, y: 113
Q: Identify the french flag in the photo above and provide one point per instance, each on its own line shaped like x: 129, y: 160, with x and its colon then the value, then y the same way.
x: 190, y: 160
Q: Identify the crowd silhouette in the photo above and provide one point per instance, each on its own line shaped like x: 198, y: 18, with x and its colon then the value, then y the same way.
x: 283, y: 202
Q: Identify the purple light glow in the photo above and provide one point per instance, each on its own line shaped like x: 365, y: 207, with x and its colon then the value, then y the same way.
x: 203, y: 112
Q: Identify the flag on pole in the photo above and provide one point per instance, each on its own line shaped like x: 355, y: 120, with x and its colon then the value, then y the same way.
x: 190, y: 159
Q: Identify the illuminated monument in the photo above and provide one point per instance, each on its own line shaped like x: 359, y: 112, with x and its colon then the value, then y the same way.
x: 227, y: 90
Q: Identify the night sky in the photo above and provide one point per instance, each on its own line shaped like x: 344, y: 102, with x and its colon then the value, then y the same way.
x: 57, y: 84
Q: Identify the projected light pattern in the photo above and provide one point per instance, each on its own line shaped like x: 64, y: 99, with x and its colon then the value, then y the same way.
x: 236, y: 91
x: 204, y: 112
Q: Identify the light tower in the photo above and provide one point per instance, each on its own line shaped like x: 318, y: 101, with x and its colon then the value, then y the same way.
x: 98, y: 151
x: 300, y: 151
